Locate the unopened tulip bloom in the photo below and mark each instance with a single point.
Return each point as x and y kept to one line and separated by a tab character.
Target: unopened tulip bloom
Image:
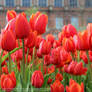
59	77
74	87
50	38
8	41
38	22
68	44
45	47
8	82
57	86
10	15
69	30
56	43
47	59
22	27
37	79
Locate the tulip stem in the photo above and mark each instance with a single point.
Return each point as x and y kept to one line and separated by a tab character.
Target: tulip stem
78	56
27	55
1	62
9	62
89	65
23	63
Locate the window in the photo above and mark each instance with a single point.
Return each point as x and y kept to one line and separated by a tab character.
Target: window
73	3
88	3
75	22
59	23
58	3
89	20
43	3
26	3
9	3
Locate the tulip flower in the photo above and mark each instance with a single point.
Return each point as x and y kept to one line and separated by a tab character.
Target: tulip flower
38	22
49	81
38	41
59	77
83	56
30	41
55	56
37	79
74	87
69	30
83	40
57	87
45	47
8	82
56	43
68	44
90	55
50	38
10	15
47	59
75	68
89	28
8	41
61	36
22	27
5	70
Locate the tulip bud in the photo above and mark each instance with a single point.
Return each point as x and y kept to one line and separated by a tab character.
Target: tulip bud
37	79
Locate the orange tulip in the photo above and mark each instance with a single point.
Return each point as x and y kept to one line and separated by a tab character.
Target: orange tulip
74	87
8	41
10	15
57	87
22	27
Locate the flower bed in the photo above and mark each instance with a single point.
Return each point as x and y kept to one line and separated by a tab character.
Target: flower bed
30	63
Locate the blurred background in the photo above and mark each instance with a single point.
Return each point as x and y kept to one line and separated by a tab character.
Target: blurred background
60	12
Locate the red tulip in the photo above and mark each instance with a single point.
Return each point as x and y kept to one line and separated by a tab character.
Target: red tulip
57	87
89	28
75	68
69	30
8	41
50	38
30	41
10	15
56	44
45	47
83	40
5	70
90	56
59	77
55	56
47	60
61	36
38	22
8	82
38	41
37	79
74	87
83	56
22	27
49	81
68	44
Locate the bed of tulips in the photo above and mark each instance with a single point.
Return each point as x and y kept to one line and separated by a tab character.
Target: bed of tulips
31	63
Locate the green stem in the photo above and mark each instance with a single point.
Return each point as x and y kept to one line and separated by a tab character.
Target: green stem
1	62
9	61
7	55
89	66
78	56
72	55
27	55
33	57
23	62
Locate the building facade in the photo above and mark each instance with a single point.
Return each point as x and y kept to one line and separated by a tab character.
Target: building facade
60	12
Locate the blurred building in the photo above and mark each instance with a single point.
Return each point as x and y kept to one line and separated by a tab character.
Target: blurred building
60	12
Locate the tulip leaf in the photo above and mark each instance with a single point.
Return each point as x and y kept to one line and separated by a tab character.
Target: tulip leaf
6	56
